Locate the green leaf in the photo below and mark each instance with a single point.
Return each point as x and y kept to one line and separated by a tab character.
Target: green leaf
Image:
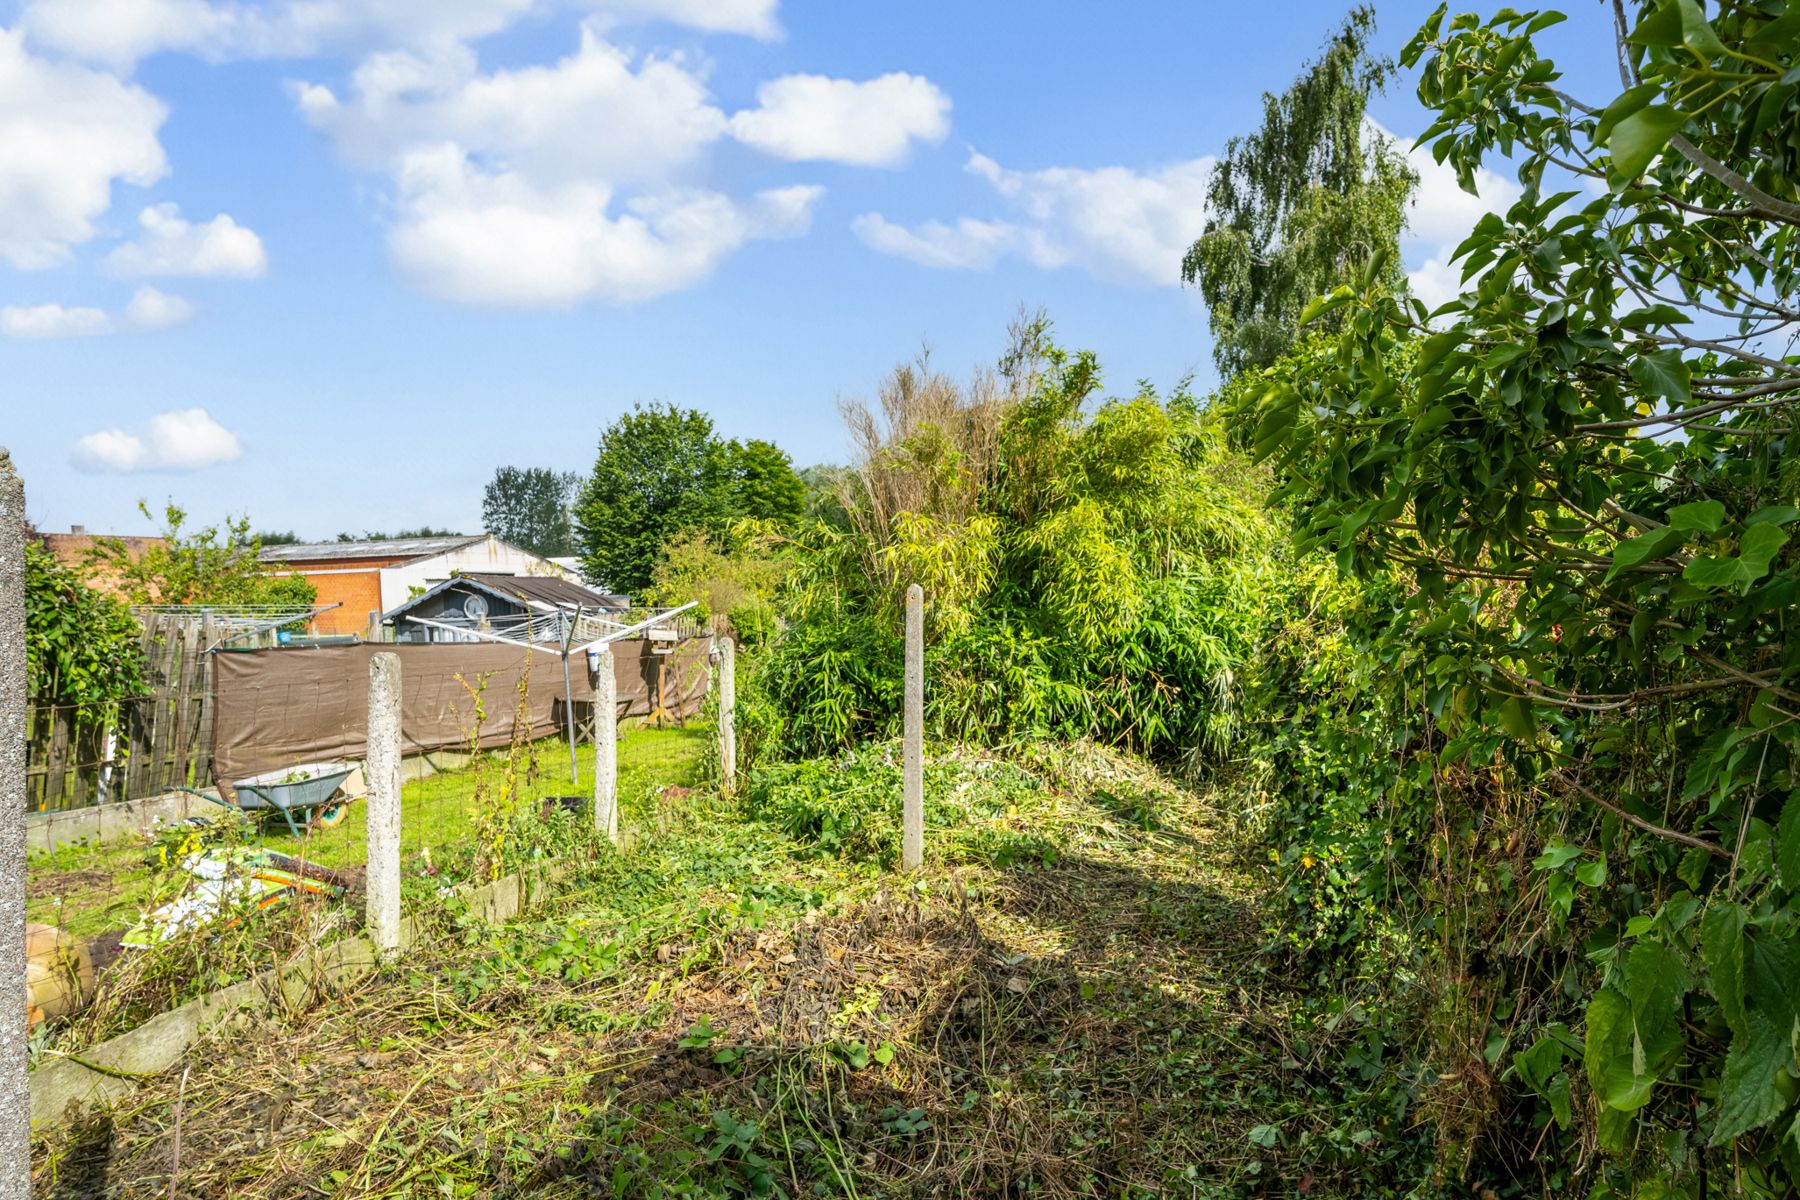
1787	844
1517	718
1628	102
1637	140
1750	1093
1661	28
1758	549
1643	549
1609	1053
1634	1036
1712	571
1774	514
1556	855
1593	874
1537	1064
1663	375
1320	305
1703	515
1696	33
1431	420
1722	946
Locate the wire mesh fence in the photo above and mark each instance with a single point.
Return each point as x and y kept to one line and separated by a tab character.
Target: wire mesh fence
136	924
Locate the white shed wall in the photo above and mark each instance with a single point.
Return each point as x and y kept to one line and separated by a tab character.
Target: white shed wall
493	555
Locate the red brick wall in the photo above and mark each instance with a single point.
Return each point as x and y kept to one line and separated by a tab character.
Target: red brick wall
358	591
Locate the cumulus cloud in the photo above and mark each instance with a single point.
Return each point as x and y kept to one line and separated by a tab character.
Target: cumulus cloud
554	184
1441	215
151	310
53	321
1115	223
872	124
593	114
480	237
148	311
118	33
968	244
66	134
218	249
187	439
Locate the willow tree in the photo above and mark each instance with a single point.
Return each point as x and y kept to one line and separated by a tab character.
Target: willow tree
1293	206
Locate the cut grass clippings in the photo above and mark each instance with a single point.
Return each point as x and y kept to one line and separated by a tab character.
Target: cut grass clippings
723	1009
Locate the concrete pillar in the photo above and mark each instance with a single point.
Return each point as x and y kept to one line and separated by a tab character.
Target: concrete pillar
374	634
727	715
381	767
606	746
15	1090
912	842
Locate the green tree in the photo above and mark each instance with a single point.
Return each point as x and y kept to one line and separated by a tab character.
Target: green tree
660	470
1292	206
376	535
81	645
767	487
1585	467
529	507
210	565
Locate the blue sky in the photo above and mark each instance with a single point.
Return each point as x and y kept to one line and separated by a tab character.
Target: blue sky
331	262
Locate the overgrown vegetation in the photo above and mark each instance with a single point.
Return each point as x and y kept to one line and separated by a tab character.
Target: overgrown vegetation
1565	763
208	565
81	645
729	1010
1094	567
1492	887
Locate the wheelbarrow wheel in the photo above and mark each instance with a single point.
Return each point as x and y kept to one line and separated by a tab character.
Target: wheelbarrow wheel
328	815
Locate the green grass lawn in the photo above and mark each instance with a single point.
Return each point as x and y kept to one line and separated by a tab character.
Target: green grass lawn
93	889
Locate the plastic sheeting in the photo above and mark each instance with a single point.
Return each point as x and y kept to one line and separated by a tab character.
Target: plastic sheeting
275	708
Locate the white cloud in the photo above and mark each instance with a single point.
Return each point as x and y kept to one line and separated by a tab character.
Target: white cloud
872	124
968	244
1117	224
548	185
53	321
66	133
148	311
187	439
480	237
592	114
753	18
120	32
151	310
1441	215
219	248
108	450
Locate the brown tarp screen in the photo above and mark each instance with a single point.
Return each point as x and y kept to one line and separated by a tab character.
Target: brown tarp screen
279	708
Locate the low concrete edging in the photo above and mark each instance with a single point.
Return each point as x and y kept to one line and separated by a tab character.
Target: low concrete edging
105	1074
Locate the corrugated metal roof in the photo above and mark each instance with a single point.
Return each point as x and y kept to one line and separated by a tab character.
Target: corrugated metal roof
420	547
546	589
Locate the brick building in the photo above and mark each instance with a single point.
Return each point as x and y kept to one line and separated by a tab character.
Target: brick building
374	575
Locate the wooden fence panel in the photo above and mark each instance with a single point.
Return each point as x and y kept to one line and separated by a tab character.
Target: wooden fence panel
163	738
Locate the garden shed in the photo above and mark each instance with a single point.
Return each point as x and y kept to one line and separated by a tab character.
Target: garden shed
533	608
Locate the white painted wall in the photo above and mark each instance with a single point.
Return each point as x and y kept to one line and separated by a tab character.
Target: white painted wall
493	555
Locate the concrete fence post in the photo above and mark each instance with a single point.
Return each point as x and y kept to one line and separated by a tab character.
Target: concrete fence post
912	843
381	765
374	634
606	746
15	1085
727	714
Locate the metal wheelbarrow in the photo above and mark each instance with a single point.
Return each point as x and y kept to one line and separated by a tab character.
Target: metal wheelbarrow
310	789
